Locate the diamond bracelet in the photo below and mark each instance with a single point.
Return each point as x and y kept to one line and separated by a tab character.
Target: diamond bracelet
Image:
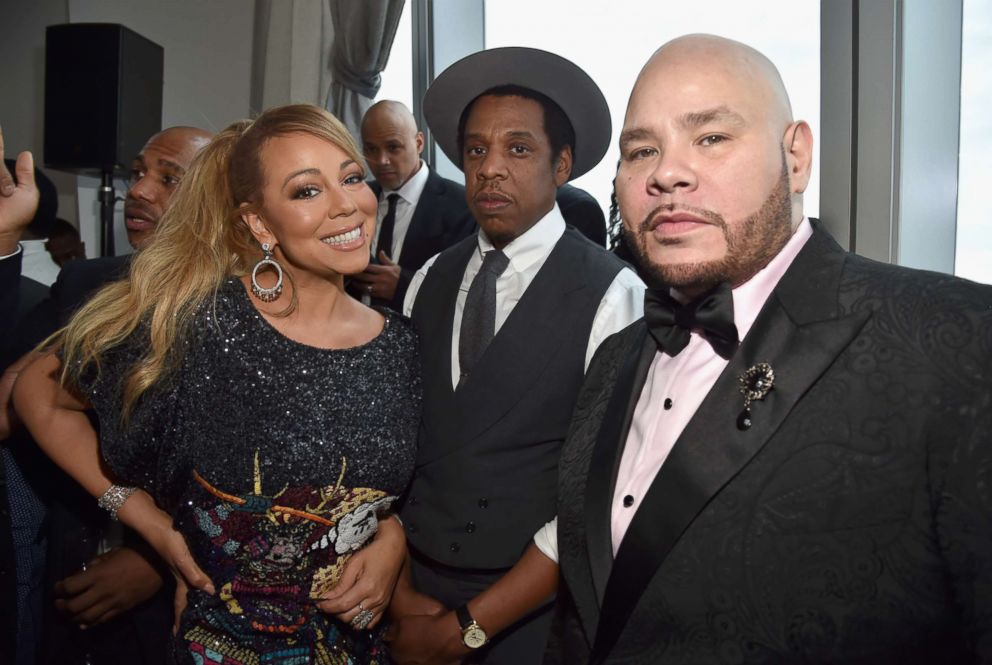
114	498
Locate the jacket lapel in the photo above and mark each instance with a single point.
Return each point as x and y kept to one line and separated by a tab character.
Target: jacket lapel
799	332
444	278
423	224
607	451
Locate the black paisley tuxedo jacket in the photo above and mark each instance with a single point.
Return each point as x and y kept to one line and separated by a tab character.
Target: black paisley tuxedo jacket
852	523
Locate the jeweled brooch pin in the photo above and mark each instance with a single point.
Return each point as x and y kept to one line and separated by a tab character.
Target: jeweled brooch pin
754	385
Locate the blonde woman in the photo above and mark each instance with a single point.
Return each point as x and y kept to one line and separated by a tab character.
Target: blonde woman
255	422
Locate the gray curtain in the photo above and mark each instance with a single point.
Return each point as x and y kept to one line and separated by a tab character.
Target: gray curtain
291	41
363	36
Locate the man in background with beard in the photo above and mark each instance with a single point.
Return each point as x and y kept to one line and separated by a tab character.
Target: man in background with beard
788	459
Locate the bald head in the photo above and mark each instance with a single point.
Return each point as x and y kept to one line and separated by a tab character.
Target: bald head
712	164
155	174
391	143
703	59
392	112
186	141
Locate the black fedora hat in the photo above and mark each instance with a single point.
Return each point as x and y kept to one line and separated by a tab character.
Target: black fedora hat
549	74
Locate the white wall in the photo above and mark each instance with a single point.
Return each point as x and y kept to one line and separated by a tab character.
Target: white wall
22	85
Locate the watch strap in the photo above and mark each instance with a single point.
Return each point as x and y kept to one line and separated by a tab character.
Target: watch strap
464	617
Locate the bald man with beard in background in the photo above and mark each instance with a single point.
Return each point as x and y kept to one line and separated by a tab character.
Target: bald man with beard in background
788	459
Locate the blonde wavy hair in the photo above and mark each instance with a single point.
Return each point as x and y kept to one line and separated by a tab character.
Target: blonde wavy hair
200	241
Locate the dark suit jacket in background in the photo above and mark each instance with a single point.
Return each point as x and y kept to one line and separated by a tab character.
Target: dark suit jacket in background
582	211
440	220
852	523
77	281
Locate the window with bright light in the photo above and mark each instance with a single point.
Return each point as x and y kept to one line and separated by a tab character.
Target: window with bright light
973	257
612	40
397	78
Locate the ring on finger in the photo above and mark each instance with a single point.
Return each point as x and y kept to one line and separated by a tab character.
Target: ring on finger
362	619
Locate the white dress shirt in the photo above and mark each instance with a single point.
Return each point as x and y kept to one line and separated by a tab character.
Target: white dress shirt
37	263
409	196
622	304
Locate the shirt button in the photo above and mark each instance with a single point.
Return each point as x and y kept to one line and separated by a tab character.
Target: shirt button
454	547
483	503
470	527
628	501
412	528
412	501
668	403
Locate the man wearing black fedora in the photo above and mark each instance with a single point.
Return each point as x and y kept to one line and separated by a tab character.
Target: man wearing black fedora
508	318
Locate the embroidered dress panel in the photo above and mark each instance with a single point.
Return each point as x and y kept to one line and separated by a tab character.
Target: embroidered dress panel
276	461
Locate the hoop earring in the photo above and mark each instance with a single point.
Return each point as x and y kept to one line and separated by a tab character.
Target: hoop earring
264	294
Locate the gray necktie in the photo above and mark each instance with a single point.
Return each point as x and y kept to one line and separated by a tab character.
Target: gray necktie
479	317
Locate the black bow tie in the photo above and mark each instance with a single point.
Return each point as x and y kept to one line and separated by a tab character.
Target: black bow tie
670	322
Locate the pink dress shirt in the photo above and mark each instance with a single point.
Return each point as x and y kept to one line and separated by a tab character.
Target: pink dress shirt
676	386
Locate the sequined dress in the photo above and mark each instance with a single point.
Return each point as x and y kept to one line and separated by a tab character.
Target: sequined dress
275	459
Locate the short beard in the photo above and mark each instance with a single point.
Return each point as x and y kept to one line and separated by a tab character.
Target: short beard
750	245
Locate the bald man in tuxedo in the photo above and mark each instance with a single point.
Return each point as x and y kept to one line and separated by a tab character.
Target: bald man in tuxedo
788	459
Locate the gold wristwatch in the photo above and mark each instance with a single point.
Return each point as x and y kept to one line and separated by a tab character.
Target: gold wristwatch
472	634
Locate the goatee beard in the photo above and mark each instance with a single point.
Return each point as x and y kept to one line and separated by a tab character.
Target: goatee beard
751	244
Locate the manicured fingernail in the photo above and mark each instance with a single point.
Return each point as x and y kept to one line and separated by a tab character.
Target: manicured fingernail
210	589
8	190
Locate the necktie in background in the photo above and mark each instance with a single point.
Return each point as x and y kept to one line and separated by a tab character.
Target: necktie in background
386	231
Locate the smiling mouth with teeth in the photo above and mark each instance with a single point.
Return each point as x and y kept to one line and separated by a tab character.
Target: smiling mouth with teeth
343	238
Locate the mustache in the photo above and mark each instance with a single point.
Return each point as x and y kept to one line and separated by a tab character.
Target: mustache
670	208
137	208
491	191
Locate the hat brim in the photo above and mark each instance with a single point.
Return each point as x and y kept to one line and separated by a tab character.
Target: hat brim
551	75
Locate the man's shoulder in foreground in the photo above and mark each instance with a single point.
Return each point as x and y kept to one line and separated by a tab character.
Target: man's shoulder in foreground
908	284
930	311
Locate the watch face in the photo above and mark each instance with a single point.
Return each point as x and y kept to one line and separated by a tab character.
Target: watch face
474	637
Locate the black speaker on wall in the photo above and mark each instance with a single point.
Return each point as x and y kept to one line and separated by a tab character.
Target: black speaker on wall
103	96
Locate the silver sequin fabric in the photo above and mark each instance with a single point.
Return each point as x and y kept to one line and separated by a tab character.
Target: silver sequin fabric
271	456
